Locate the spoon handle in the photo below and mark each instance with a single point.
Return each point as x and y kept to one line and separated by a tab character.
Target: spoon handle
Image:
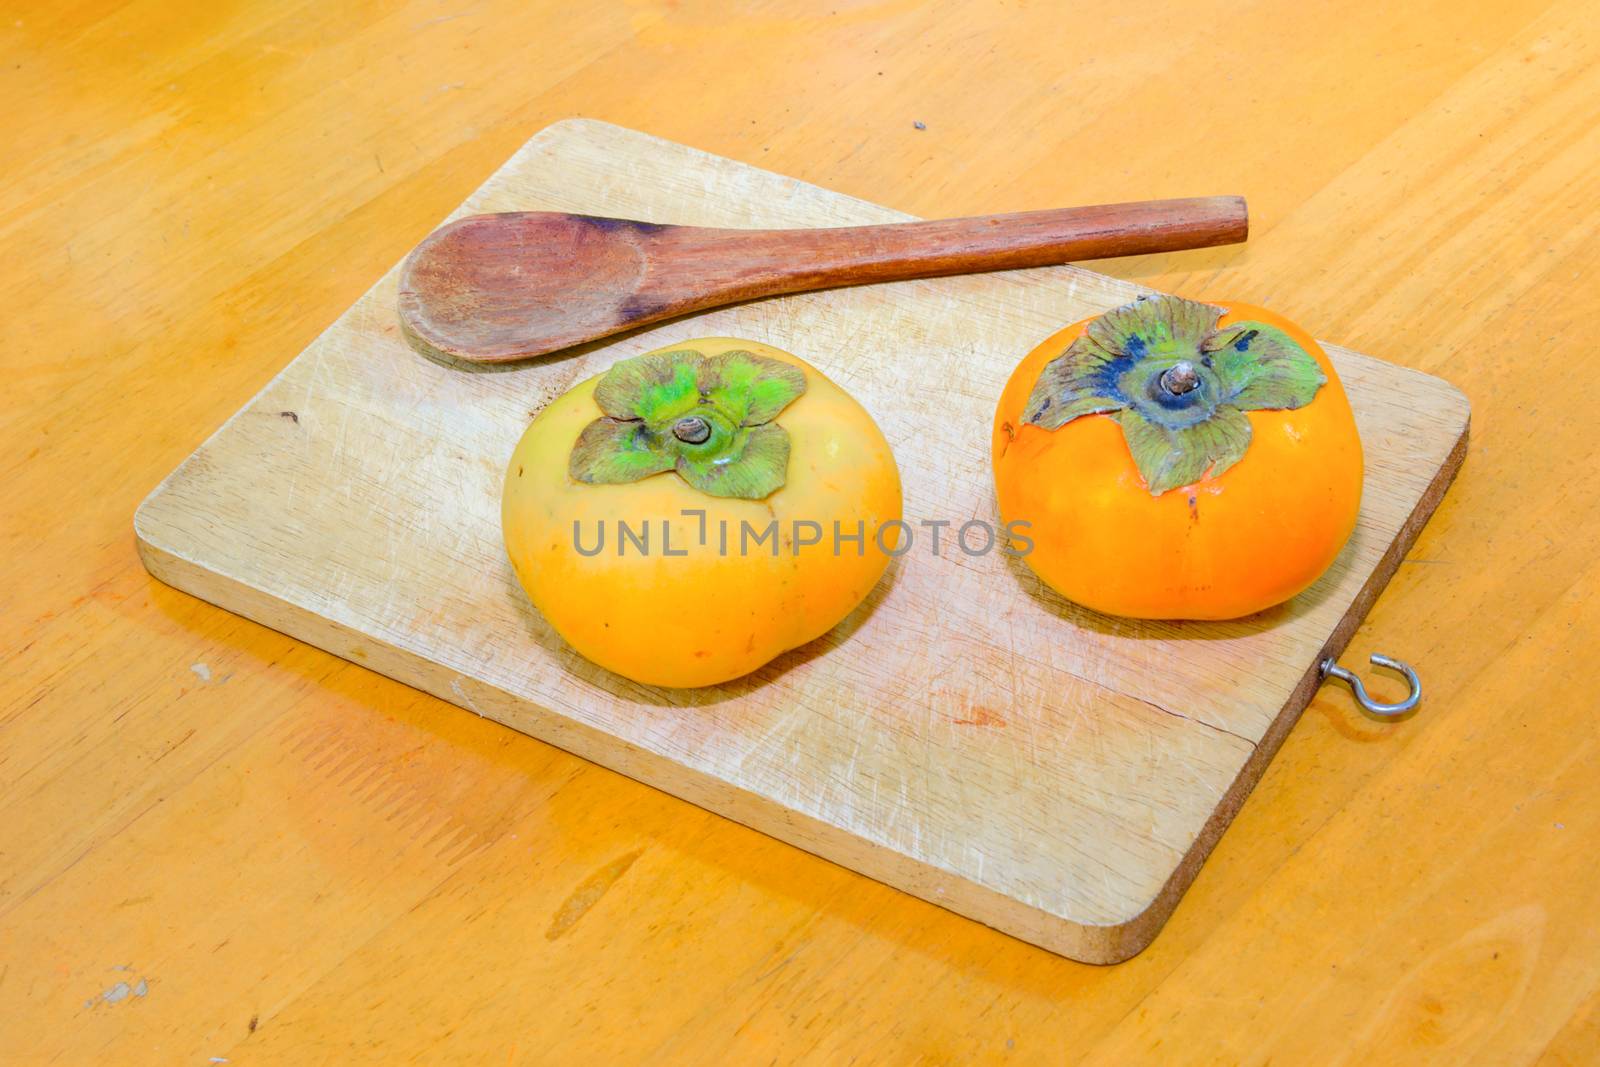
787	261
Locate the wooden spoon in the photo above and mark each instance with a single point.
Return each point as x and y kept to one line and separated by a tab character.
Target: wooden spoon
494	288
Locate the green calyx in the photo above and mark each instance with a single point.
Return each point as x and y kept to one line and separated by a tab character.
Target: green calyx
707	417
1178	385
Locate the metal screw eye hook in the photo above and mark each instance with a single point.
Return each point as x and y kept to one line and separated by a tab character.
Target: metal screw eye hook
1331	669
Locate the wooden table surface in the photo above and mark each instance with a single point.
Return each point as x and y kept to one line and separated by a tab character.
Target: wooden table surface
220	844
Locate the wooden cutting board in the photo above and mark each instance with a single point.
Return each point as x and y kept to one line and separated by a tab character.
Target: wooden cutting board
965	735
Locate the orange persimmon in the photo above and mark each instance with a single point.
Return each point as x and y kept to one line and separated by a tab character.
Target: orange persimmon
1178	460
699	509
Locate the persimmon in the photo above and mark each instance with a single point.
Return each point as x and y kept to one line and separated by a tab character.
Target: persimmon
698	510
1178	460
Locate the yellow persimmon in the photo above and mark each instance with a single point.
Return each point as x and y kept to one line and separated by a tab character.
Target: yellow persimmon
698	510
1178	460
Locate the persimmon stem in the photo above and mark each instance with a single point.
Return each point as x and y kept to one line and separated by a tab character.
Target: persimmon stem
692	430
1180	378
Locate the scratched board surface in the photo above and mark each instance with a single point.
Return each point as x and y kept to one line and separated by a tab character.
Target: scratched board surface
964	735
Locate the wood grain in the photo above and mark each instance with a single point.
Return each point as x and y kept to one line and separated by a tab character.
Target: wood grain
201	189
501	287
965	735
